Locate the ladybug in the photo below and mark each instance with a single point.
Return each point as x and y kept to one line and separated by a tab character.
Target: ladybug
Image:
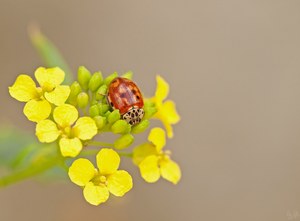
124	95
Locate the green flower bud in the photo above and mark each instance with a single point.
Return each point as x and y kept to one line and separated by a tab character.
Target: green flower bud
149	112
84	76
141	127
127	75
103	108
107	114
119	127
110	78
93	102
100	121
75	90
101	92
113	116
128	129
94	111
82	100
95	81
124	141
150	109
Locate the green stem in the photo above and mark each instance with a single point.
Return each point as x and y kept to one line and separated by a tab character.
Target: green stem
22	155
31	171
48	51
86	153
124	154
99	143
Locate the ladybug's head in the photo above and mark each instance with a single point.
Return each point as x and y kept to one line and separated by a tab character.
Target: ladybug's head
134	115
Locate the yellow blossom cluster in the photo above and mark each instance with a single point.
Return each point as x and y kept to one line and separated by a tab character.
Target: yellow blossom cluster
38	108
153	162
59	112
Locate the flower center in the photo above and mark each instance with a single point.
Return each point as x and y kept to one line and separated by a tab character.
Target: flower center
99	179
102	179
164	155
47	87
39	93
66	131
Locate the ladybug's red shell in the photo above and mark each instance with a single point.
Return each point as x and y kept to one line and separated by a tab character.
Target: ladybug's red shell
124	95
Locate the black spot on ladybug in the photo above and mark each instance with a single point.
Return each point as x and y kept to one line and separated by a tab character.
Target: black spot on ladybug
132	115
112	104
137	97
133	91
122	95
136	114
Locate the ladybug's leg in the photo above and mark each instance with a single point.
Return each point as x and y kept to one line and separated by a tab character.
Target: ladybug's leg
109	102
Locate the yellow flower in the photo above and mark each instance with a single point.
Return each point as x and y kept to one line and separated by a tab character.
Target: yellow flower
98	183
166	111
69	136
39	99
153	162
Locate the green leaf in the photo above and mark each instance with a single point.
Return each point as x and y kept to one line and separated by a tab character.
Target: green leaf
12	150
22	157
48	52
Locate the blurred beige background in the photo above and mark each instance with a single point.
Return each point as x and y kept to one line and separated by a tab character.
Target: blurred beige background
234	70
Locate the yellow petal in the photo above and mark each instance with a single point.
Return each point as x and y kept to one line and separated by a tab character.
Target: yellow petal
119	183
59	95
46	131
162	90
158	137
65	115
23	89
108	161
49	78
85	128
81	171
170	171
37	110
142	151
168	127
169	111
149	169
95	194
70	147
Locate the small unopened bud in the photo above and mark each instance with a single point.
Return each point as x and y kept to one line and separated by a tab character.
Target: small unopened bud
75	90
100	121
82	99
140	127
124	141
119	127
95	81
109	79
103	108
101	92
114	116
94	110
84	76
150	109
107	114
127	75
